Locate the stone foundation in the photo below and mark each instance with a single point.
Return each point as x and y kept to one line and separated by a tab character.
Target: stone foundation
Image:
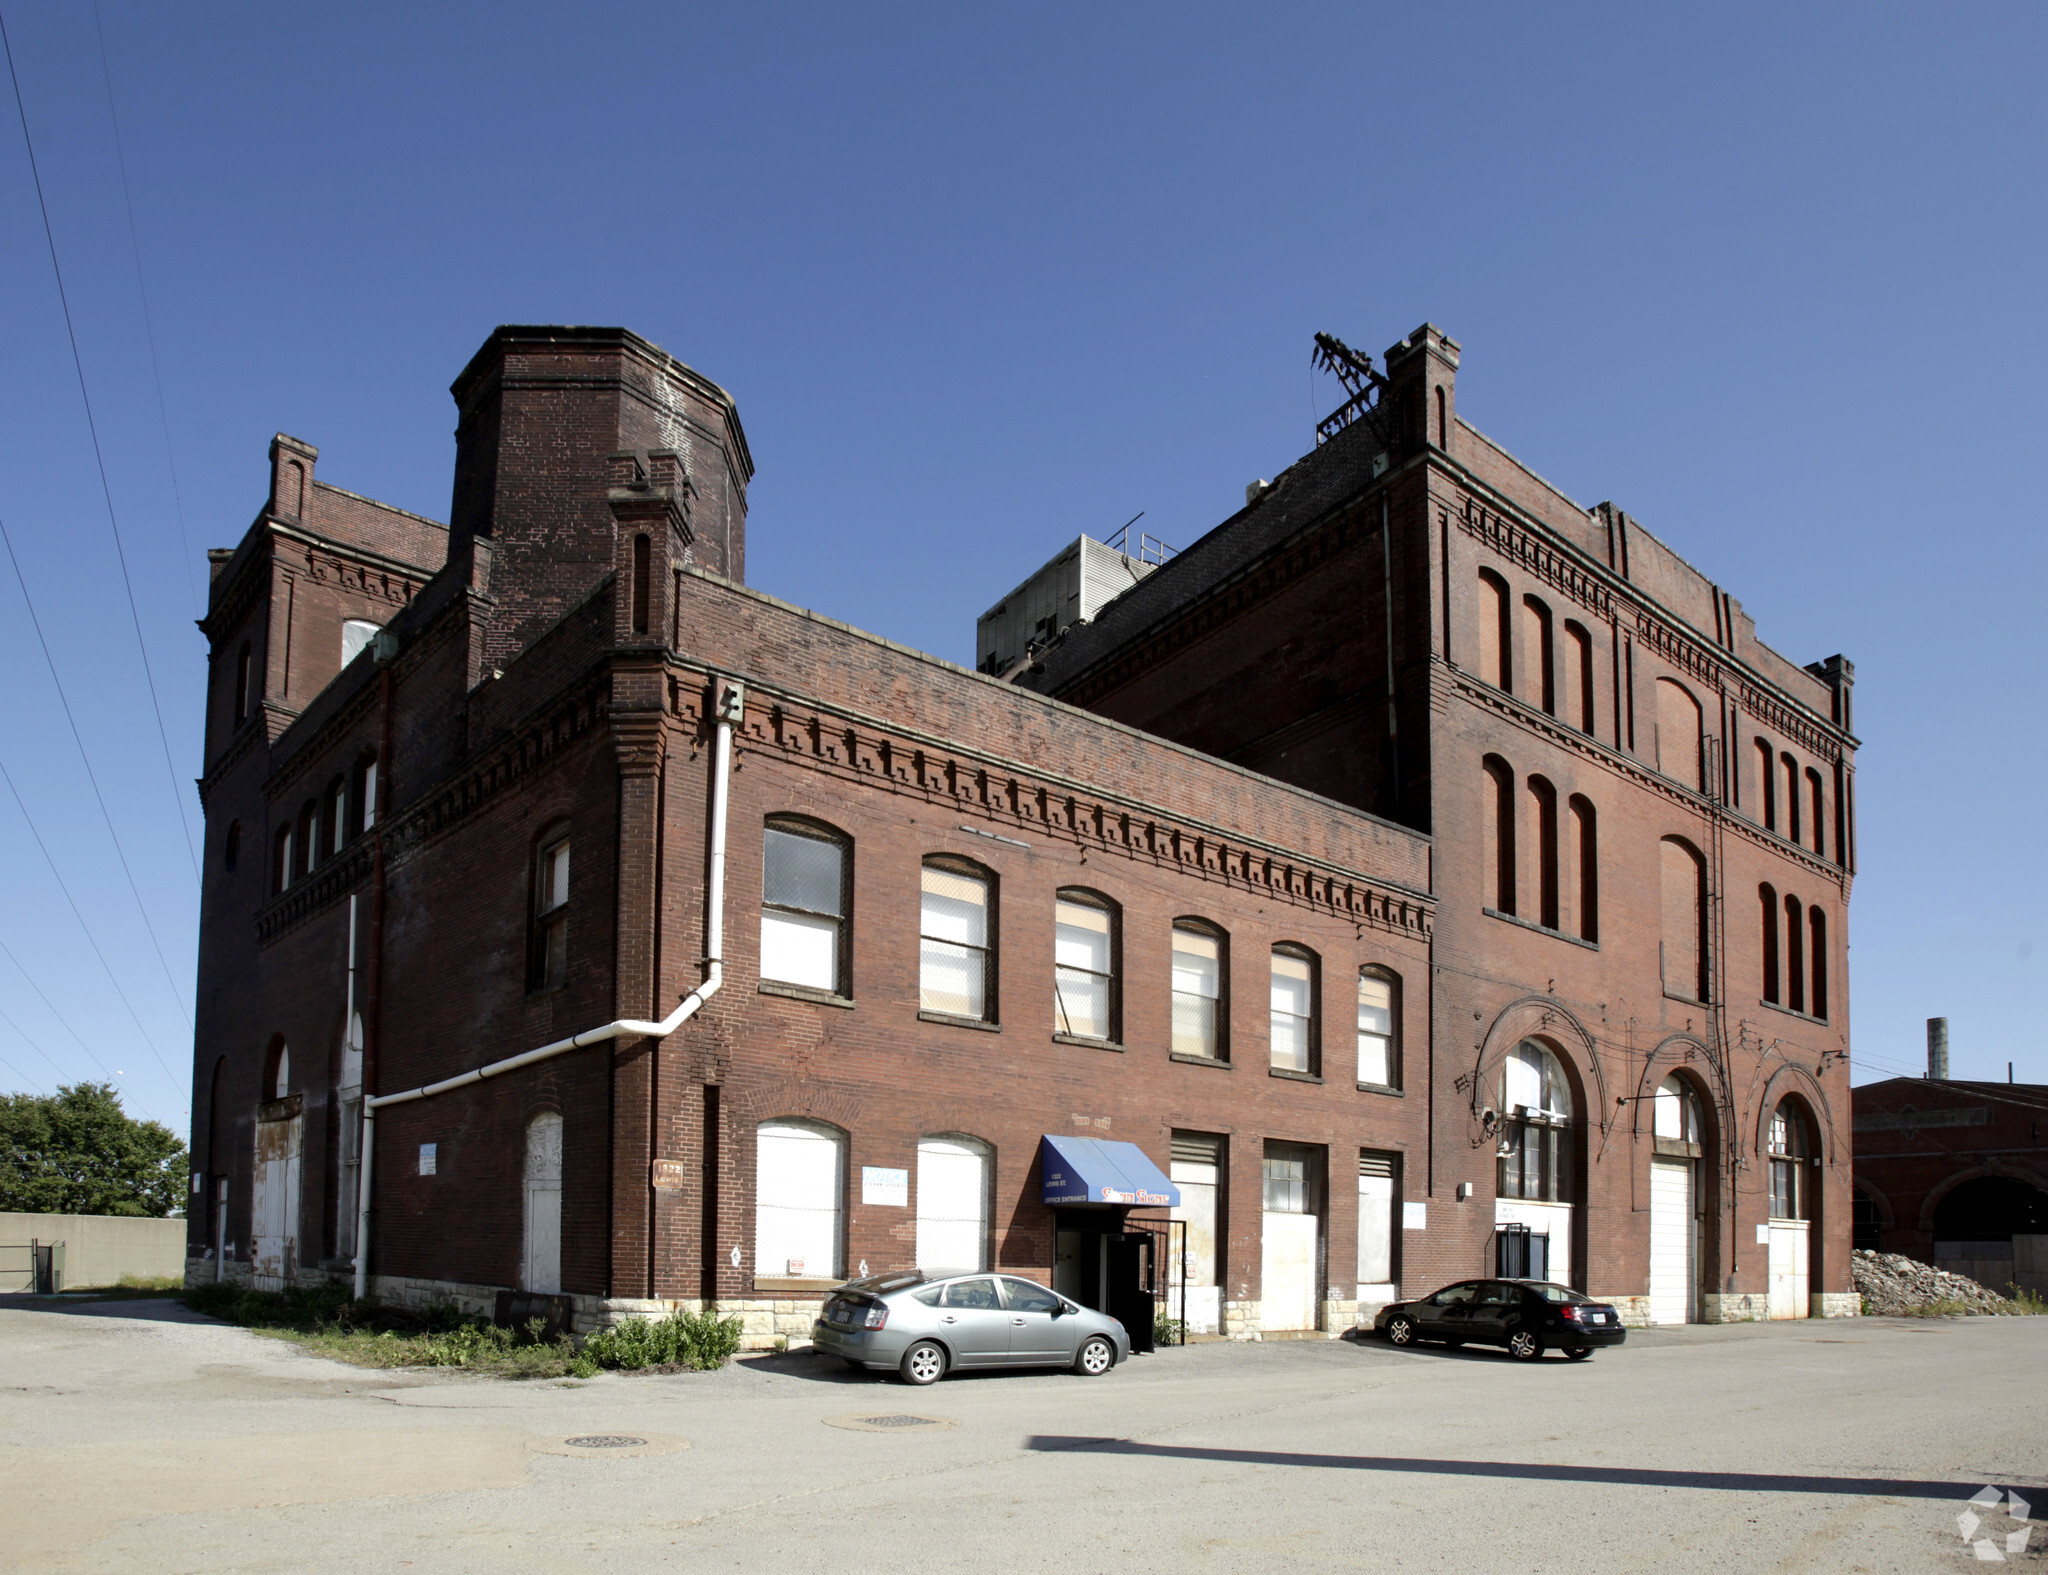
1735	1307
1634	1310
1837	1304
1241	1320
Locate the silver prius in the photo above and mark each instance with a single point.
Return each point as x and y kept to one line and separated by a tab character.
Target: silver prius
927	1325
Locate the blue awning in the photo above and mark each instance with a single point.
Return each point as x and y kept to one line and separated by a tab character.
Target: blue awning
1095	1170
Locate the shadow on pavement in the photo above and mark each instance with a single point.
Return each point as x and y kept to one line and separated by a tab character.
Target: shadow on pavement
166	1309
1618	1476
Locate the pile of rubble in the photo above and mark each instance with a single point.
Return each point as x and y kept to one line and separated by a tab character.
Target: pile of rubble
1891	1283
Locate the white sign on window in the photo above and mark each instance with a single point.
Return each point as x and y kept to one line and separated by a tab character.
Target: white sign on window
889	1188
1415	1216
427	1158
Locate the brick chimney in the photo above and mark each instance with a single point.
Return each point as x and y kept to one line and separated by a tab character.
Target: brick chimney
583	452
291	477
1423	373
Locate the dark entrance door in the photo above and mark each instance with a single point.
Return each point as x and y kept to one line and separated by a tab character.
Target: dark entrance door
1101	1265
1130	1280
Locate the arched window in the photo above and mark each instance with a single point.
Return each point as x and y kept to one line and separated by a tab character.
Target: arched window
281	872
1577	679
1379	1017
231	847
1497	821
952	1203
334	816
1543	813
1791	1147
1496	632
1536	646
308	842
1536	1118
356	636
1817	969
1199	973
1443	420
1767	900
242	677
1767	784
548	947
1816	800
1795	954
805	939
362	794
1685	911
1676	1111
1294	1014
956	953
799	1200
1586	866
277	1069
1085	997
1790	769
540	1269
1679	734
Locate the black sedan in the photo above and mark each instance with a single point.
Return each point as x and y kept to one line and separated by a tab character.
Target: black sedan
1529	1317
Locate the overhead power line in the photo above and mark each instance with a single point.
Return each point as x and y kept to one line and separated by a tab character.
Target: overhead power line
99	457
77	738
62	1022
8	777
148	324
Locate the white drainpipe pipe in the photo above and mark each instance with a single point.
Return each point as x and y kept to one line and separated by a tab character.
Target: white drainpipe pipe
729	701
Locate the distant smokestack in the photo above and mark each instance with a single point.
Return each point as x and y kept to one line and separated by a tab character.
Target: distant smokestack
1937	1049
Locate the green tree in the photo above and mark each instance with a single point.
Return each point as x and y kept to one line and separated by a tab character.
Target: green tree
77	1152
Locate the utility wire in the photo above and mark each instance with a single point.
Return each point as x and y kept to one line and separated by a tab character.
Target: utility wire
21	1077
8	778
39	1050
7	539
92	426
8	952
148	325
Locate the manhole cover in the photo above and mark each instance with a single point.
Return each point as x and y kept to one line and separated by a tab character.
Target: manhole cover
605	1441
613	1446
892	1422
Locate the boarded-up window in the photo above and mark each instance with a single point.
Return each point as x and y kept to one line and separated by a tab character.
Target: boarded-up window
1577	677
1496	632
1497	827
1817	975
1685	907
1376	1205
1537	654
541	1265
1543	816
952	1204
1678	734
798	1201
1197	1170
1767	941
1585	861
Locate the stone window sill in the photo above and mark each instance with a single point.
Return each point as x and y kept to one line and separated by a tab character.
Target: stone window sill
1199	1060
1540	929
1293	1076
786	1282
1086	1043
1689	1000
1382	1088
803	992
960	1022
1792	1011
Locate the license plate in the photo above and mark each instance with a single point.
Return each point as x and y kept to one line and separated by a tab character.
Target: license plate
841	1316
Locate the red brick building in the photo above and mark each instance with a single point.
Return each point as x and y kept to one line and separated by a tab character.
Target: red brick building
462	787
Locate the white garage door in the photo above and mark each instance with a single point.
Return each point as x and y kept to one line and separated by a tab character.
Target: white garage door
1672	1275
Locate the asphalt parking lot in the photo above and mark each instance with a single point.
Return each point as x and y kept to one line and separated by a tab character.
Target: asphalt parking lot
135	1436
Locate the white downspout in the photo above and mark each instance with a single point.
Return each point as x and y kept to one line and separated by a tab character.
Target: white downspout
730	701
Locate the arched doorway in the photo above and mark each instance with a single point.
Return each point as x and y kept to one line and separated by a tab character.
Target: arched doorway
1675	1189
540	1267
1791	1150
274	1205
1536	1192
1975	1222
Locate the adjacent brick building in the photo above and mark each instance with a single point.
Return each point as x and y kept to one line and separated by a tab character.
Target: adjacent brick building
1304	861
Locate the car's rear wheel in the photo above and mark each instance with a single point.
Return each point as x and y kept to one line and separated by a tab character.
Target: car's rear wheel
1400	1331
1580	1354
1525	1345
1096	1357
924	1363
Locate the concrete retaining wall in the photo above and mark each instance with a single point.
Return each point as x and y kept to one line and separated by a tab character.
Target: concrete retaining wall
98	1248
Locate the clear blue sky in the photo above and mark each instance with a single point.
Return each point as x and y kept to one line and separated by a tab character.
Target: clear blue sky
1768	277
